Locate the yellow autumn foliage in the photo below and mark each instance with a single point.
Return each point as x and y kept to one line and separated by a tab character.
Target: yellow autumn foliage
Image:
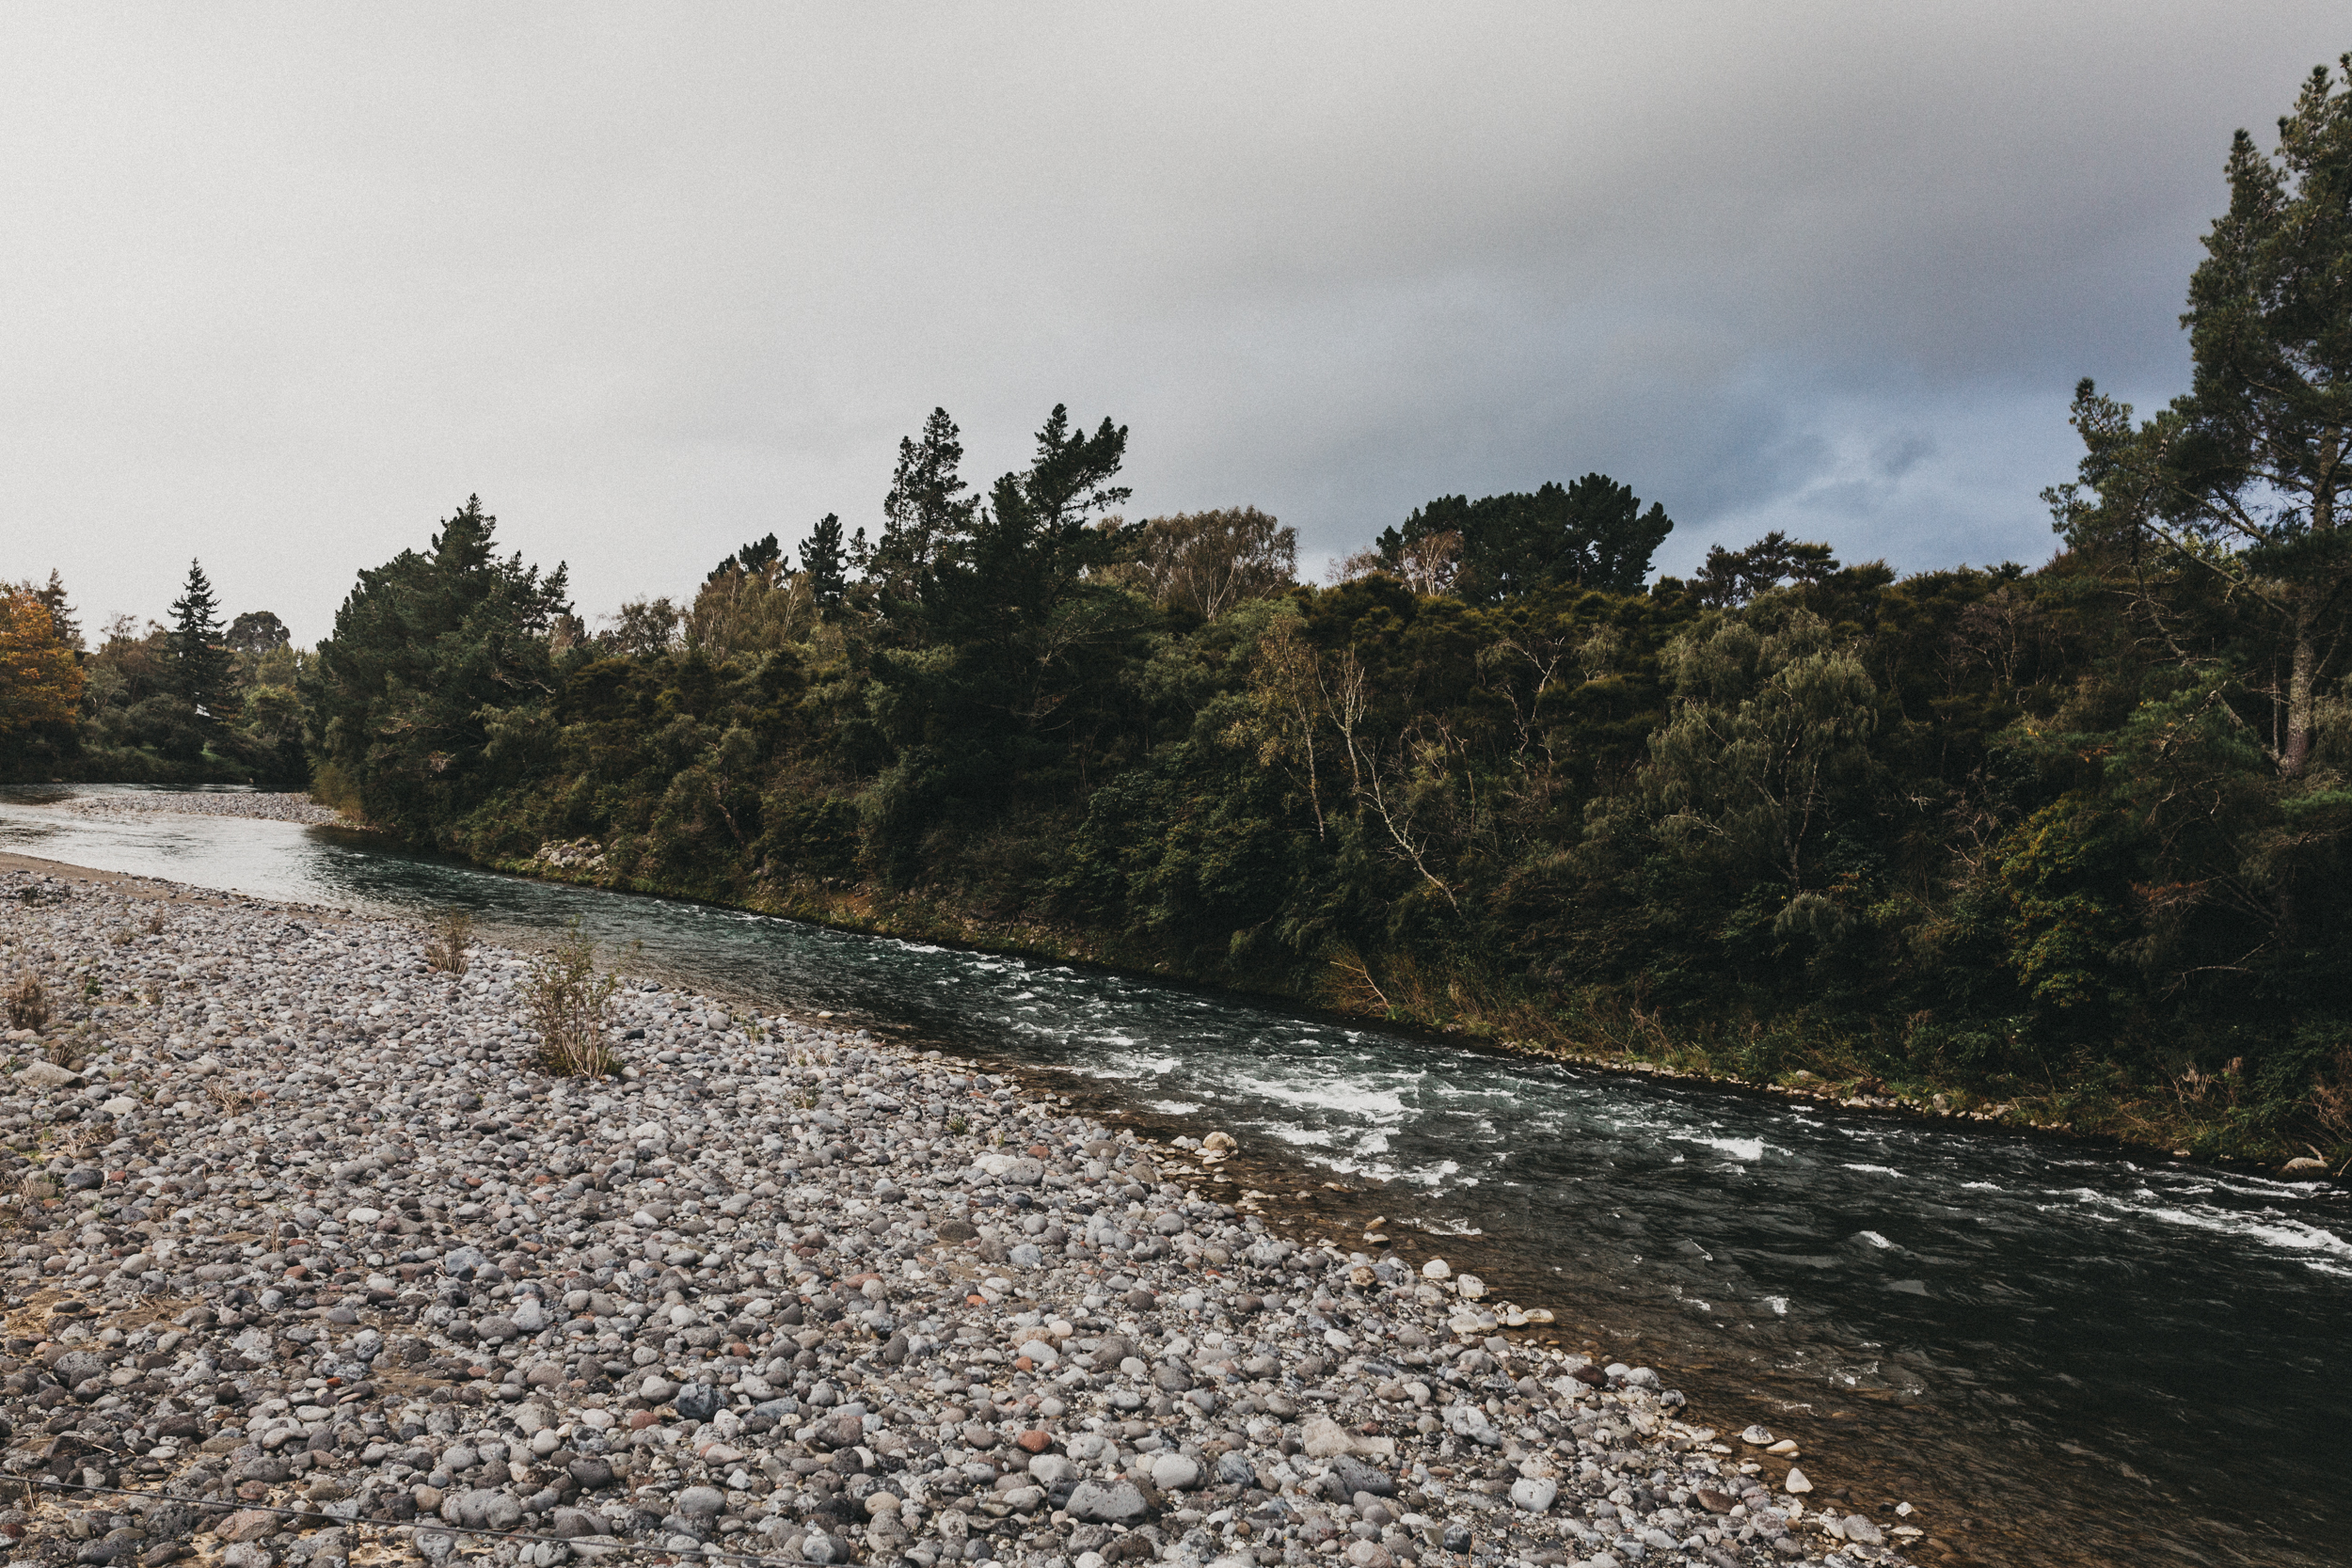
41	681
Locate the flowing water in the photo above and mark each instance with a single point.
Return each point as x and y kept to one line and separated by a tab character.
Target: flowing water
2061	1354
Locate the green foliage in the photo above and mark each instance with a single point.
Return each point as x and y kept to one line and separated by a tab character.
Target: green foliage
199	657
1592	532
2236	492
2075	835
428	651
824	562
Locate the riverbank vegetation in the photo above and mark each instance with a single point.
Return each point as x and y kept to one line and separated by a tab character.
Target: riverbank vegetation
198	702
2065	843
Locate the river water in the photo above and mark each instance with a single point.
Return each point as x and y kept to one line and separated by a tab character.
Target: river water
2058	1354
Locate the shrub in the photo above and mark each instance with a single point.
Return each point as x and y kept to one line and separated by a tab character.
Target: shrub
28	1004
445	948
570	1006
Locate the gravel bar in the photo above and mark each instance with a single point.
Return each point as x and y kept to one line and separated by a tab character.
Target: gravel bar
259	804
292	1221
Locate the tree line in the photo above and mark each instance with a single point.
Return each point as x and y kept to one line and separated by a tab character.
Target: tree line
2069	837
197	702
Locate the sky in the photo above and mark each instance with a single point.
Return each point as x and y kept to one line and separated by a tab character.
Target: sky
284	285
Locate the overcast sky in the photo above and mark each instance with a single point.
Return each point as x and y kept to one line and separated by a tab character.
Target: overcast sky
283	285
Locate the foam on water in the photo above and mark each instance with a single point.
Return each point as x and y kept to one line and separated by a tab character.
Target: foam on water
1745	1149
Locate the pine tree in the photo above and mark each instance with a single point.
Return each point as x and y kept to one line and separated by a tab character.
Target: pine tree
927	514
2246	481
821	560
199	661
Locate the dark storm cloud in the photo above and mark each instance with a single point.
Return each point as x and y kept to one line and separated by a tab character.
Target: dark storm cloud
286	284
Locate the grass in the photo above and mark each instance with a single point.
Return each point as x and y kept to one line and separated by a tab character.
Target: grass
445	948
27	1003
570	1006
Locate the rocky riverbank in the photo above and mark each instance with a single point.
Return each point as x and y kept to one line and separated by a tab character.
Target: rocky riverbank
204	802
301	1248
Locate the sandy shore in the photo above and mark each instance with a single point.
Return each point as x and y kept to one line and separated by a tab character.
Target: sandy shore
295	1222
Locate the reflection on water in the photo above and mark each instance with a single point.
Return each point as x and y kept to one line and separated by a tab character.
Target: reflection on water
2097	1358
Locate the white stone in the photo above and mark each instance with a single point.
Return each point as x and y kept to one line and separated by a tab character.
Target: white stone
1534	1495
1325	1438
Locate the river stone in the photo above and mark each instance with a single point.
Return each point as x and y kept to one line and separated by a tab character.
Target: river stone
1534	1495
590	1472
1119	1503
1323	1438
1861	1532
779	1200
1465	1419
47	1075
1175	1472
571	1523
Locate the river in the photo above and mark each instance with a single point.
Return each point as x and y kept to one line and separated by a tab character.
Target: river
2062	1354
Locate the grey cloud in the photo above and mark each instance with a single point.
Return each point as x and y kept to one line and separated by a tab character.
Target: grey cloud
286	284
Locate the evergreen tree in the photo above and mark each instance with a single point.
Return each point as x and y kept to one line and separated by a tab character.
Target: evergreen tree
822	560
2246	481
1593	533
429	653
752	559
926	515
200	659
52	596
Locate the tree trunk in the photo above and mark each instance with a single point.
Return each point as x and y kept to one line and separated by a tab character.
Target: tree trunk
2302	682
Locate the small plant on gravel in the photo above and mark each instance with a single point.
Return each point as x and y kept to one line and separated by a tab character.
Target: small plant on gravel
571	1006
72	1052
28	1004
154	924
445	949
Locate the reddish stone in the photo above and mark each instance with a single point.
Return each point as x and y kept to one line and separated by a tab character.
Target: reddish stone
1039	1151
1035	1441
1023	1364
640	1419
977	1299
